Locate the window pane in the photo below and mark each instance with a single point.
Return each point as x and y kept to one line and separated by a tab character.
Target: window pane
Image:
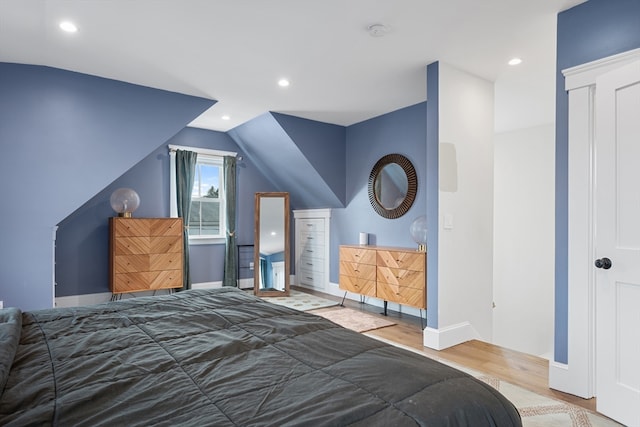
204	218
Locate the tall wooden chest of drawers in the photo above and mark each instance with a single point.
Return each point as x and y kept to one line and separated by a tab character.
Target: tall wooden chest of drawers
390	274
145	254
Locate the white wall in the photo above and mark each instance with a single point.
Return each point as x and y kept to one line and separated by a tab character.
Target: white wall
465	250
524	239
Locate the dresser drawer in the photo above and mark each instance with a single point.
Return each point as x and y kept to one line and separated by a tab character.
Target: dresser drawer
401	294
131	263
360	255
358	270
358	285
131	282
398	259
131	227
168	261
401	277
312	240
167	279
310	278
311	263
161	245
165	227
132	245
312	251
315	225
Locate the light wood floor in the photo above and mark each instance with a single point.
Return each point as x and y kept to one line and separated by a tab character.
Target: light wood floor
526	371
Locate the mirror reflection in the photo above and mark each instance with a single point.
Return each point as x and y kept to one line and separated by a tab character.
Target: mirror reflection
271	258
391	186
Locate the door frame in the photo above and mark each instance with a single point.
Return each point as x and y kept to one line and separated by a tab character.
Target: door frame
578	375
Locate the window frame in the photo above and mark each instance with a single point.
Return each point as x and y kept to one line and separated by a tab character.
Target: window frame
212	157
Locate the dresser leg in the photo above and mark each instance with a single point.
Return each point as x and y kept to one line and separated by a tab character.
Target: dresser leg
385	308
345	295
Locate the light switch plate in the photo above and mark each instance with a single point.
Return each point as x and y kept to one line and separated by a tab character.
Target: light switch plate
448	222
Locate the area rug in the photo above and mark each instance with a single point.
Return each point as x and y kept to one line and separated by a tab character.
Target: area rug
355	320
301	301
536	410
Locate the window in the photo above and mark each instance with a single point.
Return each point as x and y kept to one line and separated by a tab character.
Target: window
207	217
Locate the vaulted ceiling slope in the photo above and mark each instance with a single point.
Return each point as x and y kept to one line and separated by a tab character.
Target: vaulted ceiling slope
303	157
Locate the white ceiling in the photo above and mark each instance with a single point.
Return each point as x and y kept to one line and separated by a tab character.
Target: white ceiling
234	51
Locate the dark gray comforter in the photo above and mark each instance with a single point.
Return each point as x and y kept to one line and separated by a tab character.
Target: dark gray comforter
222	357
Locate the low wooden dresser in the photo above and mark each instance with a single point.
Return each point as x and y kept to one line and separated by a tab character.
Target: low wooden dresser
390	274
145	254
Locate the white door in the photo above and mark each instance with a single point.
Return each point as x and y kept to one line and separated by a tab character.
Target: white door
617	239
278	275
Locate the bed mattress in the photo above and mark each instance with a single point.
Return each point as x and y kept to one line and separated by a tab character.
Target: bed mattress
222	357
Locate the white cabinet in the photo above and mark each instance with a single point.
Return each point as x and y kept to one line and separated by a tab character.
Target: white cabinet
312	248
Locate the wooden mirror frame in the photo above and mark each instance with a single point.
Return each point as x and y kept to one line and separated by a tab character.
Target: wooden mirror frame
412	187
256	256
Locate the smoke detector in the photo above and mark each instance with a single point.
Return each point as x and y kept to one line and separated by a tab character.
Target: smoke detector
377	30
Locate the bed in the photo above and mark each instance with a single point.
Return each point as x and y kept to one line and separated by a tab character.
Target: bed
222	357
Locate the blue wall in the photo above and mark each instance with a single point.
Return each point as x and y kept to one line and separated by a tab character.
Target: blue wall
72	139
303	157
404	132
65	136
83	237
590	31
433	191
82	246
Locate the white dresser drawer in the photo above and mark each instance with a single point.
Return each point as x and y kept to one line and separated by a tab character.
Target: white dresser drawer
311	263
311	237
312	225
314	279
312	251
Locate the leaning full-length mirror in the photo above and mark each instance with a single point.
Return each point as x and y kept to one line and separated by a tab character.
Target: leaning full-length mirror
271	255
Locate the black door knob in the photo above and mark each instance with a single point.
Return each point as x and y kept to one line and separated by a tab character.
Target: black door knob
603	263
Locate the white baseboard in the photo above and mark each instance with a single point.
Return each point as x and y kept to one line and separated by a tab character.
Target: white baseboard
245	283
78	300
562	379
91	299
206	285
439	339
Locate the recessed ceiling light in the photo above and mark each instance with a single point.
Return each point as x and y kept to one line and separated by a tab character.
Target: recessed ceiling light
226	117
283	83
68	26
515	61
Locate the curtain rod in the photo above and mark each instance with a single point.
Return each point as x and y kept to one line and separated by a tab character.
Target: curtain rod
174	148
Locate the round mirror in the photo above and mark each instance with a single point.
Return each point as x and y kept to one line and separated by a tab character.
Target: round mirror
393	185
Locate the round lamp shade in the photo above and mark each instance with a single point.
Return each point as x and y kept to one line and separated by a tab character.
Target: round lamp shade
418	232
124	201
